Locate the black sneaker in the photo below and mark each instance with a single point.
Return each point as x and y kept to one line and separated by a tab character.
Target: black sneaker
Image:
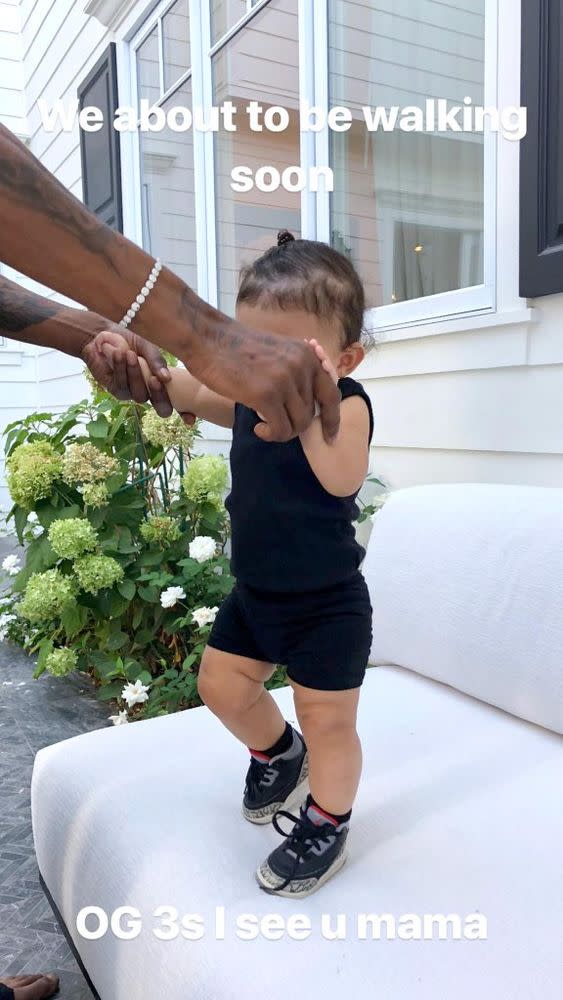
311	854
273	782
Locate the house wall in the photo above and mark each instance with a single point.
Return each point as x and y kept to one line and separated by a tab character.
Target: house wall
454	400
17	362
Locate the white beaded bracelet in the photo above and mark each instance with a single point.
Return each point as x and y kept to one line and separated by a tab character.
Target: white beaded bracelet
143	294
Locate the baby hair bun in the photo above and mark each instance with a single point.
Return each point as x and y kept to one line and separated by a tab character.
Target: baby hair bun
284	236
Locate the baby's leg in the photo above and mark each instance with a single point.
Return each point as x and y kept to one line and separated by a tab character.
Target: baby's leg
233	688
328	723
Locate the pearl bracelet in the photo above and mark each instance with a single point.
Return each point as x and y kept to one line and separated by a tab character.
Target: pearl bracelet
143	294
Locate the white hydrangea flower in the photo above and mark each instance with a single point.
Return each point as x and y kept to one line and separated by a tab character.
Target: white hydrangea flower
378	502
11	565
204	616
170	597
135	694
120	719
5	620
202	548
34	526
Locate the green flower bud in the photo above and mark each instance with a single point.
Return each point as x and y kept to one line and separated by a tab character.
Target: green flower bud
72	537
84	463
31	471
205	479
95	573
61	661
47	596
161	531
170	432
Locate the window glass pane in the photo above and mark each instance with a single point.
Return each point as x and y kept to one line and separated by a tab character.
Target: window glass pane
176	42
407	206
261	63
148	68
225	13
167	188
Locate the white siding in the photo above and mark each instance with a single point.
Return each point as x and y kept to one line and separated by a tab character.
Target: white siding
12	104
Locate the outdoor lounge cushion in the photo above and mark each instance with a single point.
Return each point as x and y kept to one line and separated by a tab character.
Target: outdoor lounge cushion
467	586
459	811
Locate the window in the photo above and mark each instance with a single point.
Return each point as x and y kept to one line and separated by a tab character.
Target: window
409	207
259	63
226	13
167	157
415	211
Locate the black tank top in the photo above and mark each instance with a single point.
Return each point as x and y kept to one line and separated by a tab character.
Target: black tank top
287	532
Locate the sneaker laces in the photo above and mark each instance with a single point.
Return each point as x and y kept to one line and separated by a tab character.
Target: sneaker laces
259	773
302	839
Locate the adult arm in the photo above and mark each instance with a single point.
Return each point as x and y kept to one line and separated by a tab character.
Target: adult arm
49	235
33	319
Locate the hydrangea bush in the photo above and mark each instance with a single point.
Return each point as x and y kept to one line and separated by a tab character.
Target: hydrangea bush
124	565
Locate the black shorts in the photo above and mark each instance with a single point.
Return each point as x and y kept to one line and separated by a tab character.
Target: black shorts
323	637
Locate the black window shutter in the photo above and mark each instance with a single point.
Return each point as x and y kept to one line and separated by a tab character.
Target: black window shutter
541	151
101	162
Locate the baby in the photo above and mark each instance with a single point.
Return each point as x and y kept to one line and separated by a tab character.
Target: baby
299	597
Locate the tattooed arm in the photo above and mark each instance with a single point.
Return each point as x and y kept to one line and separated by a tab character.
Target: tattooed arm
33	319
49	235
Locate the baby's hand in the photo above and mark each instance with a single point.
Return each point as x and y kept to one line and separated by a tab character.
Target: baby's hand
326	364
115	349
323	358
108	342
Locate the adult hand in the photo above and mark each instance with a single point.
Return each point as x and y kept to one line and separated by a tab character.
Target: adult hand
38	987
124	379
278	377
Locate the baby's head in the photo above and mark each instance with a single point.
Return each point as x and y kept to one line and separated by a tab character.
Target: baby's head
304	289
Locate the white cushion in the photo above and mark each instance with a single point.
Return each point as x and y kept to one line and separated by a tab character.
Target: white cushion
467	587
459	811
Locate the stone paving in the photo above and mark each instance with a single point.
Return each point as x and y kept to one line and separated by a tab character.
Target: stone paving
33	714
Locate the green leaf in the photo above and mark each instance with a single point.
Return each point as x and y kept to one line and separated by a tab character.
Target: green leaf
190	568
40	556
98	428
150	594
74	619
111	690
117	640
150	558
144	636
48	511
189	661
112	605
44	650
133	671
138	616
127	589
20	521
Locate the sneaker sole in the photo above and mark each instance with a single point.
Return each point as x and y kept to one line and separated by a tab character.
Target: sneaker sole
263	873
262	816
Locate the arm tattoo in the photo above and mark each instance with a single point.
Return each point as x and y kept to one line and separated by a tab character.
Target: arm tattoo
23	178
20	309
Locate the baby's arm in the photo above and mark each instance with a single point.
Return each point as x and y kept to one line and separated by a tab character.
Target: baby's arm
342	466
187	395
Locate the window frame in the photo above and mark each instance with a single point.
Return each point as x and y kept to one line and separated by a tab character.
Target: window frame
475	300
386	321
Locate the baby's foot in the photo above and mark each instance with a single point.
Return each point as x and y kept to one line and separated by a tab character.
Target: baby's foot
311	854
